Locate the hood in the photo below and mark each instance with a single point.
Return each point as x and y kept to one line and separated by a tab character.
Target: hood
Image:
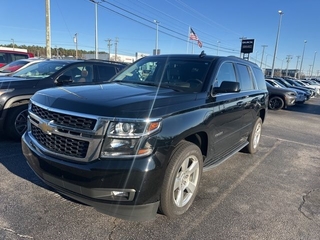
15	82
116	100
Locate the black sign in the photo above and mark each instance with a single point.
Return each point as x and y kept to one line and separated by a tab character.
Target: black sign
247	45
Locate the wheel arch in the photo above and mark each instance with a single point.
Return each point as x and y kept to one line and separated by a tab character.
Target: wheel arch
17	101
201	140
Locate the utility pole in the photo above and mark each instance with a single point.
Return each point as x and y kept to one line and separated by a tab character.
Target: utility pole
12	43
48	31
289	57
295	75
75	39
109	45
314	59
116	48
263	47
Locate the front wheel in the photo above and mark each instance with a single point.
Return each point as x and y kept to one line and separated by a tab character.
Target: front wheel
276	103
182	180
16	122
254	137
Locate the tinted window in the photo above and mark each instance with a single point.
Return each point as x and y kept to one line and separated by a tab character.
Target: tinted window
186	75
80	73
106	72
17	56
226	73
246	82
258	75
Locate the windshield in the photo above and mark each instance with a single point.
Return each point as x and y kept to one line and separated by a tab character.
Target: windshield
40	69
186	75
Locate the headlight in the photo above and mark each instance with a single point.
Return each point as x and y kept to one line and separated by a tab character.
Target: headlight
291	93
2	91
129	138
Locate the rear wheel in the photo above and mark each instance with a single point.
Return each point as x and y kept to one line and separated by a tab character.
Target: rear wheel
276	103
16	122
182	179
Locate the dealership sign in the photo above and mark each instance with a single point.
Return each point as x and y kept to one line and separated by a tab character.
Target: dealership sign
247	45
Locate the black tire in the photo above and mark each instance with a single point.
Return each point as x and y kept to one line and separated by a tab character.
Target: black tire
16	122
182	180
276	103
254	137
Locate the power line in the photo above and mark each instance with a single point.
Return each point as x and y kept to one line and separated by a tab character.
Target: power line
207	44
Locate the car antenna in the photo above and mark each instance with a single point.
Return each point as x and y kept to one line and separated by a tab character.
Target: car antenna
202	54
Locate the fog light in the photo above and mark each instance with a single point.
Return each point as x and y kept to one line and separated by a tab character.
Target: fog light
120	194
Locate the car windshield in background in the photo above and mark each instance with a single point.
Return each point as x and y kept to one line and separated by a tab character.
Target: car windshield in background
12	66
184	75
40	70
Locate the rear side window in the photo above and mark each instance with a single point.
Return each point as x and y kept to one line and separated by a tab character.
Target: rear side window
246	82
258	75
106	72
17	56
226	73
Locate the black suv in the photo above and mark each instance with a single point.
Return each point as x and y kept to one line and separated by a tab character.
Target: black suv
16	90
139	143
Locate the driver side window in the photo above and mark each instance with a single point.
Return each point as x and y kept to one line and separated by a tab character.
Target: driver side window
226	73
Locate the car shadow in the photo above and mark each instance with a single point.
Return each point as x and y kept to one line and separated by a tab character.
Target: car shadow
311	107
12	158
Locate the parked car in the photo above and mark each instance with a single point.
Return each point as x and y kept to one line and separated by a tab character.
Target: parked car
17	89
296	86
8	56
140	142
17	65
296	83
280	98
301	96
313	85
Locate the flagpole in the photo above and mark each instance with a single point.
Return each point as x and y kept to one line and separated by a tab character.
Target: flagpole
188	40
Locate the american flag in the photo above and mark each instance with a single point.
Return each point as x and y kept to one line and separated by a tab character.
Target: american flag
193	36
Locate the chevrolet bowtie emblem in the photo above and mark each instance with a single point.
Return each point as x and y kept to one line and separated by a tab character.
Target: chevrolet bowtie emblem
46	128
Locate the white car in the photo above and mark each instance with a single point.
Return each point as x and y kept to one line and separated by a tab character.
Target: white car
310	83
17	65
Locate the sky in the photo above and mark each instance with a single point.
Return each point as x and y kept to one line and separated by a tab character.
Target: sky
130	25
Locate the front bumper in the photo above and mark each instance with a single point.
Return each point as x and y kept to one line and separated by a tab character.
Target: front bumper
98	183
290	100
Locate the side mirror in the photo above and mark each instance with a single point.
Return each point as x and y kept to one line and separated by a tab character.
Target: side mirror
227	87
64	79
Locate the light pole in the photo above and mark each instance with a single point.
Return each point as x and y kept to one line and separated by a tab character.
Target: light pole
314	58
12	43
157	29
304	47
218	48
276	46
96	28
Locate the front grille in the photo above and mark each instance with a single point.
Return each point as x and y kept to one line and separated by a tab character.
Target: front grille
60	144
64	119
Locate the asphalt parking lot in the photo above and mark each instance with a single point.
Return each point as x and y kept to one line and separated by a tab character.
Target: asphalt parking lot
274	194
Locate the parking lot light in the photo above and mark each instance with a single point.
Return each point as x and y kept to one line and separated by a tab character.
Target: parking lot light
276	46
